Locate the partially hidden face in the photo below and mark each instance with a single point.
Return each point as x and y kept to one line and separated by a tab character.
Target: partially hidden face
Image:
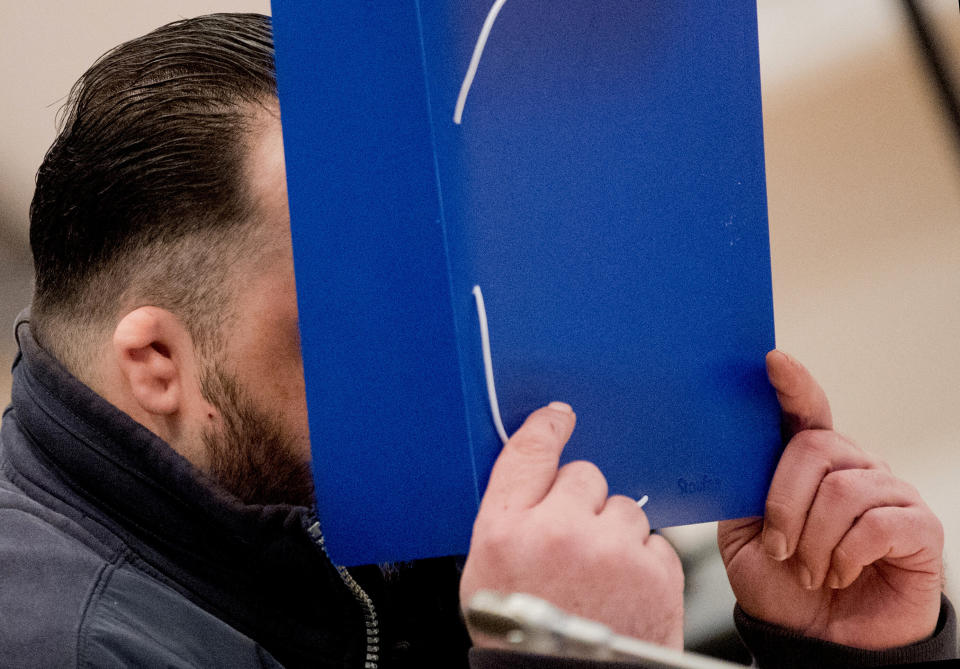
260	449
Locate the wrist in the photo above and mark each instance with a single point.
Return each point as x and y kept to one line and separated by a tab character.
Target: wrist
773	646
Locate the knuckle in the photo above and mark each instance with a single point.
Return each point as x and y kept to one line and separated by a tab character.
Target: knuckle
500	539
550	423
623	502
845	440
814	444
778	508
839	487
583	479
494	538
876	463
937	532
626	518
585	472
536	442
876	523
909	489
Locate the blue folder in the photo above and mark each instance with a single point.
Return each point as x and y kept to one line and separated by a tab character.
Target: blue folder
604	188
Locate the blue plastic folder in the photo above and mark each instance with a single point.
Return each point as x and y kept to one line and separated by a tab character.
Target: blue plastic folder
604	188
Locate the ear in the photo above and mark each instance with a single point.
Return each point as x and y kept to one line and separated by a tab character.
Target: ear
155	356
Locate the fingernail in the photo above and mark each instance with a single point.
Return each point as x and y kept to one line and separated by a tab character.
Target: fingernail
775	543
561	406
806	578
833	581
786	357
779	354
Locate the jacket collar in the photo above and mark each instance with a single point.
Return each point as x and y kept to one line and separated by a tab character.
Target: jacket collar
253	566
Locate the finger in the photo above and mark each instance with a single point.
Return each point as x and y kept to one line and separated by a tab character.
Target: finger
910	538
527	466
808	457
625	512
579	485
842	498
802	401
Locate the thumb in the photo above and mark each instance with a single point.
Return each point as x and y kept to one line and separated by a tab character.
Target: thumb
527	466
802	401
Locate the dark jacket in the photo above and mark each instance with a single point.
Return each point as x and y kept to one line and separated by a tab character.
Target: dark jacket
115	551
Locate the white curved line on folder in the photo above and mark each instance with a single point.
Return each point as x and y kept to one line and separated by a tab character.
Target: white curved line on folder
475	59
488	373
488	364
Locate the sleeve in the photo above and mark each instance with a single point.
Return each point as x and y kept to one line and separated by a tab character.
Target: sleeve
774	647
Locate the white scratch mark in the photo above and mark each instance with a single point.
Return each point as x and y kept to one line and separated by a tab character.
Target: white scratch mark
475	59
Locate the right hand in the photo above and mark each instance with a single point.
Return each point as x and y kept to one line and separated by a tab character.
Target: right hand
556	535
845	552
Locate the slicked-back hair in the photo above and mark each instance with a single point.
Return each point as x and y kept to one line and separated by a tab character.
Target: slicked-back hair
143	197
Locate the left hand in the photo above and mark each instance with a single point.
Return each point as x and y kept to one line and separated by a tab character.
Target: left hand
845	552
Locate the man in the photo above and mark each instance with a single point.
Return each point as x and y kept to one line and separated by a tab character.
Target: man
155	495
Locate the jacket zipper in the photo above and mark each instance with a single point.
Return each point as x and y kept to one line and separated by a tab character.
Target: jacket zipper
370	614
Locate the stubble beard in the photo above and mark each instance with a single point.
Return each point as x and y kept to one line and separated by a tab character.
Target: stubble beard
249	453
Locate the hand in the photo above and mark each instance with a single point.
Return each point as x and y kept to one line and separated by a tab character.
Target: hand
845	552
556	535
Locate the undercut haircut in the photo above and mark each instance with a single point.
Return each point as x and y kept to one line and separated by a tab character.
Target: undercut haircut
143	199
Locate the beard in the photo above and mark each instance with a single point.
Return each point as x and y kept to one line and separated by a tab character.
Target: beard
250	454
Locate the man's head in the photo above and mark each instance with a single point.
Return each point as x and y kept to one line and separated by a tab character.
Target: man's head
161	245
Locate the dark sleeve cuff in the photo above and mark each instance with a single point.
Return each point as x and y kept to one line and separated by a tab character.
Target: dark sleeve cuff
775	647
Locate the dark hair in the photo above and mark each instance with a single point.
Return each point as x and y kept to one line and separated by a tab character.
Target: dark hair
143	190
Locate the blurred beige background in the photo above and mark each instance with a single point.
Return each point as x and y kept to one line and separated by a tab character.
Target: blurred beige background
864	201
